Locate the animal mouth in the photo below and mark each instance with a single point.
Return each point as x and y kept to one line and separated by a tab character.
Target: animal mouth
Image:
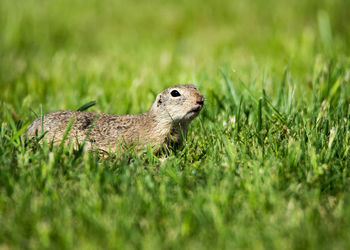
196	109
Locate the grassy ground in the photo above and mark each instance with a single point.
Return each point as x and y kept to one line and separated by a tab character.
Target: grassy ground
266	165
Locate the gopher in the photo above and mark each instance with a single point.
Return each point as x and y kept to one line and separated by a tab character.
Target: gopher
164	125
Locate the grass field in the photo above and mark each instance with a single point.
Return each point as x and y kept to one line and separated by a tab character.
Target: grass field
265	166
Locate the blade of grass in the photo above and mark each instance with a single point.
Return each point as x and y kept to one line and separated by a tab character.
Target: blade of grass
86	106
230	87
19	132
65	135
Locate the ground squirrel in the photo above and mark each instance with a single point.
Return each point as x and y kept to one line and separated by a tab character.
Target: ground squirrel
164	124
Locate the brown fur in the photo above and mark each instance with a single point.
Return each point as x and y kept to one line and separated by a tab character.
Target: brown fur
163	124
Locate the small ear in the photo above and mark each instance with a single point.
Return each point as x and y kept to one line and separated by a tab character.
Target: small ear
160	101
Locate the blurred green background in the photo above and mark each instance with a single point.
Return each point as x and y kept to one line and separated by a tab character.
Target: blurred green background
62	53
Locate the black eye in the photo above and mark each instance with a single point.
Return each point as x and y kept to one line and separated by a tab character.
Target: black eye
175	93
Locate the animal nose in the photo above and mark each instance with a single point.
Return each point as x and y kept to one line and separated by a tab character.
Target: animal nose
200	100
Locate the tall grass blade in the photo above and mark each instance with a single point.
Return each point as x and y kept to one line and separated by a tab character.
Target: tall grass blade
325	30
86	106
230	87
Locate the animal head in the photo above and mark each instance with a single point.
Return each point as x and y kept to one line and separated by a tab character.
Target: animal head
179	103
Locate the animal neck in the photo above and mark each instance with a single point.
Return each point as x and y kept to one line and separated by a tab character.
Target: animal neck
164	127
178	132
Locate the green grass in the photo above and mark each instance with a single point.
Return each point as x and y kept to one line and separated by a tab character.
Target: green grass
266	165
